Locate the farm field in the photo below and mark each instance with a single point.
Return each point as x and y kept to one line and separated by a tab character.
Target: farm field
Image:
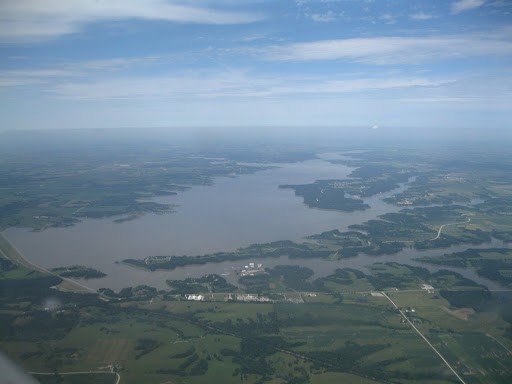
275	322
347	329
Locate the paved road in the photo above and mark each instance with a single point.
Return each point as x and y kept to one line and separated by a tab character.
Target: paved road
445	225
424	338
500	343
22	260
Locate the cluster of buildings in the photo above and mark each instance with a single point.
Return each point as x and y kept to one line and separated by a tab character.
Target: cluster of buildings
195	297
428	288
253	298
252	269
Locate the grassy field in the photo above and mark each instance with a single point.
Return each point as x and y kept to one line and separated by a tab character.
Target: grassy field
345	329
360	338
471	341
100	378
340	328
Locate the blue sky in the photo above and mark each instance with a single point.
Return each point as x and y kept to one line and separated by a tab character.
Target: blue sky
245	63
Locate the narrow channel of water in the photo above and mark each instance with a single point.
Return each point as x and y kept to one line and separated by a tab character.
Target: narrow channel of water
229	269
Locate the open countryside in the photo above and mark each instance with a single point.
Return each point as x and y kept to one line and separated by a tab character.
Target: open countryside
356	298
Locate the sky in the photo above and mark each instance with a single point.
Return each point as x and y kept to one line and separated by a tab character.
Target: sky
250	63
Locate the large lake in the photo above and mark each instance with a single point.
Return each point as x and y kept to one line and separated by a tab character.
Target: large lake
232	213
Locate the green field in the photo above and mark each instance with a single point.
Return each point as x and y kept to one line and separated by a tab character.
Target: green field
280	325
346	330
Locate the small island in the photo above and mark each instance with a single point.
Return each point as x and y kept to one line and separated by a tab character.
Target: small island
327	194
79	272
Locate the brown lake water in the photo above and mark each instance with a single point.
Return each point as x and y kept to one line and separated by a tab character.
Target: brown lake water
233	212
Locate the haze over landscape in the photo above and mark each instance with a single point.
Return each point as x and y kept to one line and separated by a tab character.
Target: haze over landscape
309	191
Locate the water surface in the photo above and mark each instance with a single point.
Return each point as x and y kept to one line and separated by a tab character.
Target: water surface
233	212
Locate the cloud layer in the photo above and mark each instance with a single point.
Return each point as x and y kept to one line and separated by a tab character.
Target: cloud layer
230	84
161	62
39	20
466	5
394	50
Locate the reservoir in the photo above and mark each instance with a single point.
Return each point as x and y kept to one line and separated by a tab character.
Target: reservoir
233	212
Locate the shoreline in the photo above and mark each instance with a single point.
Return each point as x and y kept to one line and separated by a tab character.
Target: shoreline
10	252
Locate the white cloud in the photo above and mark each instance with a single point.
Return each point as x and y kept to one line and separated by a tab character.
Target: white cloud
421	16
466	5
440	99
387	17
89	68
230	84
16	78
323	17
39	20
393	50
183	86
